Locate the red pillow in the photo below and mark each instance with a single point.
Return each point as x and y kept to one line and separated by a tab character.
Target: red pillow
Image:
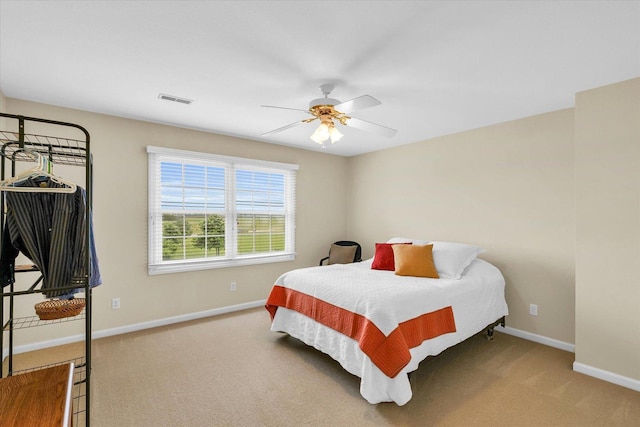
383	258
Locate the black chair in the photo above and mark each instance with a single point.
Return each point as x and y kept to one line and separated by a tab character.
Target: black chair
342	252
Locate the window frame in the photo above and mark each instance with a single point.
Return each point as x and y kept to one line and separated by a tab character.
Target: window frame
157	155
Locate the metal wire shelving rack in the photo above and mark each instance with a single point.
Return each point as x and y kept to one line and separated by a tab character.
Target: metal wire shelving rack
16	146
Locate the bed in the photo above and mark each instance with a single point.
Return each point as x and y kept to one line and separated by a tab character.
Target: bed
379	324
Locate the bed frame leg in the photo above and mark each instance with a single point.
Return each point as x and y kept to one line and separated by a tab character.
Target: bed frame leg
490	328
490	334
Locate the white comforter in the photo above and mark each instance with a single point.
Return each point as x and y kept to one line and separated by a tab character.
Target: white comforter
477	300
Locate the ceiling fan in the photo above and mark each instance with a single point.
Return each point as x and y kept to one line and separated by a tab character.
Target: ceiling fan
327	109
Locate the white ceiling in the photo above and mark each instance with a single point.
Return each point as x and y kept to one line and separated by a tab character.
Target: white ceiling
437	67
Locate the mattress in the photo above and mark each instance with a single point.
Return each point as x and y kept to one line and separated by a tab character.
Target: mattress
386	300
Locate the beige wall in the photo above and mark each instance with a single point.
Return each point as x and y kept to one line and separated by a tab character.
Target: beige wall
607	147
3	101
508	188
3	109
120	220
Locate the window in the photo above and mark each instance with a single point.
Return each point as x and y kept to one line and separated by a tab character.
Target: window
210	211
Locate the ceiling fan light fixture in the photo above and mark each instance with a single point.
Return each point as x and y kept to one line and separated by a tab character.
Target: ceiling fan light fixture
329	110
334	134
321	134
327	130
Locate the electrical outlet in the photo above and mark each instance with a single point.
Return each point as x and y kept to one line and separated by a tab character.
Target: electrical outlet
115	303
233	286
533	309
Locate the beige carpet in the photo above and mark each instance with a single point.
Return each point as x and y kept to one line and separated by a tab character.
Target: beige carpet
231	370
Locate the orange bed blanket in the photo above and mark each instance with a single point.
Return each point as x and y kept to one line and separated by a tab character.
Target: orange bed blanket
389	353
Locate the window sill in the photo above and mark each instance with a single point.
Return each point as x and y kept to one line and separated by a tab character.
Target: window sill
183	266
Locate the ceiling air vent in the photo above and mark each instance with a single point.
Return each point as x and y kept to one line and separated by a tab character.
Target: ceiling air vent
175	99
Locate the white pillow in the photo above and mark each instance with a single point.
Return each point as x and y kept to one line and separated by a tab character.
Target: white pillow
452	258
399	240
405	240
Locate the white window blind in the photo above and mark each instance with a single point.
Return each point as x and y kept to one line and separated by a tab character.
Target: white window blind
210	211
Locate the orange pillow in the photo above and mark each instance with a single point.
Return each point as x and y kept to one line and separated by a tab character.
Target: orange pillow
414	260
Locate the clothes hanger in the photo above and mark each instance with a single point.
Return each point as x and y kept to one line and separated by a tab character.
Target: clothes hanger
43	170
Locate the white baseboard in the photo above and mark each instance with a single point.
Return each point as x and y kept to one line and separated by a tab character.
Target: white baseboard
133	328
42	344
177	319
578	367
537	338
607	376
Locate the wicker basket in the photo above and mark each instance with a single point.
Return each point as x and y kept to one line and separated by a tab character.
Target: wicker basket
59	308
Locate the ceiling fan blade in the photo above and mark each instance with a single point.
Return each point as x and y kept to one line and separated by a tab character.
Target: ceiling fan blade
371	127
289	126
359	103
286	108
